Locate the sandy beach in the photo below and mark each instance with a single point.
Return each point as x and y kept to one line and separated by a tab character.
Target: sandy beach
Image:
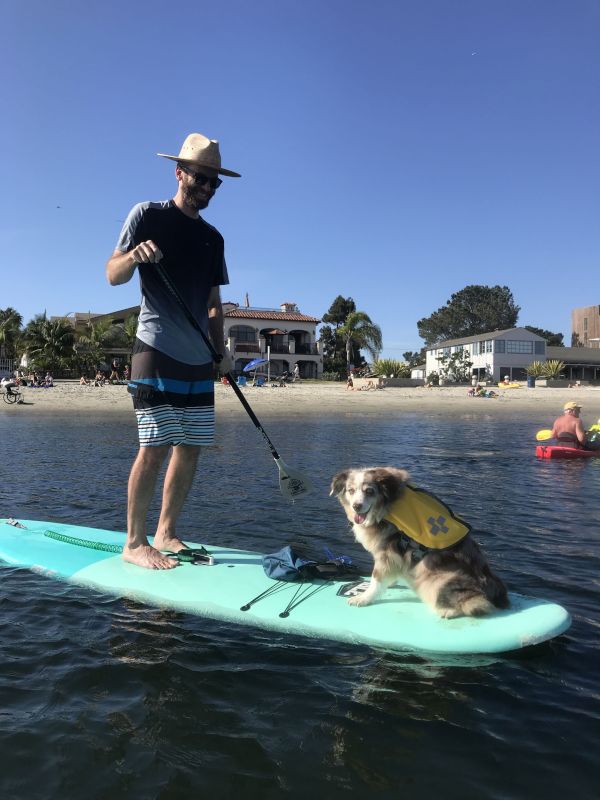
306	399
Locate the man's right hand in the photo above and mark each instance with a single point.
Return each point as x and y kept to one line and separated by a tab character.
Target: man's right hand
146	253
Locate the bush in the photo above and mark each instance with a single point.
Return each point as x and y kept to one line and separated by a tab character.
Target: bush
535	369
553	368
391	367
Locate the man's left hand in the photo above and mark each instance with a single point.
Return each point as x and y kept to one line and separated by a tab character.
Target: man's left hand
226	365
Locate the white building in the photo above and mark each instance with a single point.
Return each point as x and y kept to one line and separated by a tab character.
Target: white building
493	354
286	336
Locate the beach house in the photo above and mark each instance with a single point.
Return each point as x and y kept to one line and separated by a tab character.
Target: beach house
493	355
509	352
285	336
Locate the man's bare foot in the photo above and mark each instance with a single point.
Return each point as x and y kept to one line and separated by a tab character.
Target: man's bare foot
146	556
166	541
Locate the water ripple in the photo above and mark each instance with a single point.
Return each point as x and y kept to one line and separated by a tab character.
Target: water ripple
107	698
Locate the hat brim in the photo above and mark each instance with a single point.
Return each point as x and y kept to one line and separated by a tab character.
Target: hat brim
229	173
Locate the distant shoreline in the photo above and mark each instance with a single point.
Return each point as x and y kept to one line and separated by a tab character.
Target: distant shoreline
321	399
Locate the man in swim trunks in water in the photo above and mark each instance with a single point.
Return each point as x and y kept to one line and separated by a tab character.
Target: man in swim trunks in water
568	429
172	369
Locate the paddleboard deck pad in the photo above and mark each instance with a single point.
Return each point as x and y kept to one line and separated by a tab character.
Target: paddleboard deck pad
318	609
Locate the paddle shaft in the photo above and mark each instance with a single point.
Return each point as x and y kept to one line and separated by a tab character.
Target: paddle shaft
217	357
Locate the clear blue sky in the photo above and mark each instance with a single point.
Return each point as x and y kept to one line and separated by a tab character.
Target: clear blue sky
391	151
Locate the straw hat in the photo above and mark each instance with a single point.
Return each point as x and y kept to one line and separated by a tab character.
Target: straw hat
571	406
198	151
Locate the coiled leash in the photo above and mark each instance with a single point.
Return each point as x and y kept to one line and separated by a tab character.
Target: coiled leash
187	556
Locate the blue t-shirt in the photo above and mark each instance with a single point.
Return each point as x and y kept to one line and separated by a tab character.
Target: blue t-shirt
194	259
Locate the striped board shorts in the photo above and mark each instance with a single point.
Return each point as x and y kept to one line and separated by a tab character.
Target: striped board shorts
181	409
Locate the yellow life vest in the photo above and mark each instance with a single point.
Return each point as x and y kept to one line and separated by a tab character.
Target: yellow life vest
427	520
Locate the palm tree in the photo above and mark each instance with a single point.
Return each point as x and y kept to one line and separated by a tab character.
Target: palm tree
49	342
10	331
90	346
359	332
130	330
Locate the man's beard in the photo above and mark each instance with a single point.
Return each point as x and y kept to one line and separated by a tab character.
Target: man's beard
194	197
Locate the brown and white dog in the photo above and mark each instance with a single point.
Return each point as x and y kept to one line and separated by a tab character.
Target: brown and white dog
455	582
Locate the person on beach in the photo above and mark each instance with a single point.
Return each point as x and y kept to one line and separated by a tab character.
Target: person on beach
172	372
568	428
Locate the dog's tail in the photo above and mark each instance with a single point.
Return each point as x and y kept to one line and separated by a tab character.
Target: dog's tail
473	598
495	589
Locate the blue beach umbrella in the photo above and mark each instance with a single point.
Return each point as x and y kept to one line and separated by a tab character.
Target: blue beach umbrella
254	364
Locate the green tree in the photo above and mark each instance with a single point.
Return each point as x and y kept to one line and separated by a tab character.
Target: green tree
332	345
456	367
414	358
49	342
130	330
552	339
11	323
359	332
339	310
473	310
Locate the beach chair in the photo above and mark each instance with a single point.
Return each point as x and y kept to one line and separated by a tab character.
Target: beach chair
258	381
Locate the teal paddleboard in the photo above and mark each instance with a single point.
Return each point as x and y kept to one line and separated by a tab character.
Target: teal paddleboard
399	621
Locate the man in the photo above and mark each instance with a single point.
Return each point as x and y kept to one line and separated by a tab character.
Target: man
568	429
171	368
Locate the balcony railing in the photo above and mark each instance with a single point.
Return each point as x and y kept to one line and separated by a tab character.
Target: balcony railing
307	349
247	347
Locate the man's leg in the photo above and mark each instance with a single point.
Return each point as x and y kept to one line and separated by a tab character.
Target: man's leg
142	482
178	481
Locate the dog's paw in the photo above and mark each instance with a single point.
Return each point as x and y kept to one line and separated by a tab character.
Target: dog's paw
449	613
360	600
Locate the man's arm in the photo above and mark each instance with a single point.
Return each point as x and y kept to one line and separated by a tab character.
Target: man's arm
580	431
216	330
121	266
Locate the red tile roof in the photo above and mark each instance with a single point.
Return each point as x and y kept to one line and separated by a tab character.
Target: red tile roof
280	316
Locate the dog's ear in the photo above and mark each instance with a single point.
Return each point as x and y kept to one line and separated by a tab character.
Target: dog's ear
338	484
391	481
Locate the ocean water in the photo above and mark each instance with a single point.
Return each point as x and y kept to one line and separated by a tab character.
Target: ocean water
106	698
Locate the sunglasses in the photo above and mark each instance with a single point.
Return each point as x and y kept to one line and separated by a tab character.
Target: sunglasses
200	178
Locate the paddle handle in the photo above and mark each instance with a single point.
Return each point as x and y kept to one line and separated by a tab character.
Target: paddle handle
217	357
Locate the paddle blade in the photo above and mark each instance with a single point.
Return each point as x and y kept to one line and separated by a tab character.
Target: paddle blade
293	484
543	436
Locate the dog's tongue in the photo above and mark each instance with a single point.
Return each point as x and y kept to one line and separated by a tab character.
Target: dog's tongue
359	518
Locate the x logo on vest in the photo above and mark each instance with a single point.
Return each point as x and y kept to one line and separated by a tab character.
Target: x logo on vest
437	525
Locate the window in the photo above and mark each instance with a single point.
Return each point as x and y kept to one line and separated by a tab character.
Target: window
242	333
488	346
500	346
585	319
540	348
515	346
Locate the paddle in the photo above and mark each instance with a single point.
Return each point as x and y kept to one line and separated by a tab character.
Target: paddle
544	435
291	482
